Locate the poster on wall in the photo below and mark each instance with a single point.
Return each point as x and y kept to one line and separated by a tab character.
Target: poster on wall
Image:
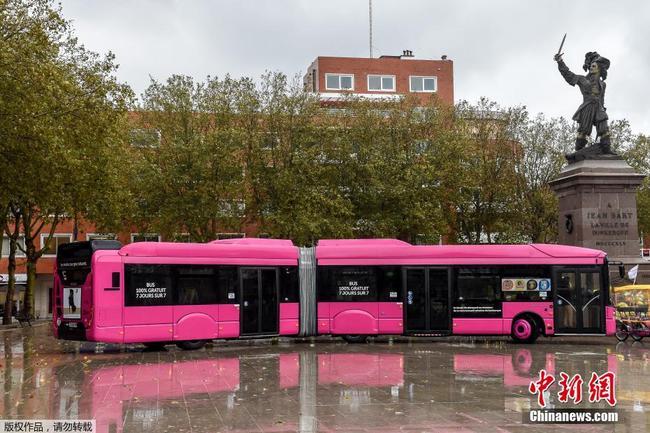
72	303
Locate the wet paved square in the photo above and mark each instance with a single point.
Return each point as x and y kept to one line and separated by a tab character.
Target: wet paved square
445	385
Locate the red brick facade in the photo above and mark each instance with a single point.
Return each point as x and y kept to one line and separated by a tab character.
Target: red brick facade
401	67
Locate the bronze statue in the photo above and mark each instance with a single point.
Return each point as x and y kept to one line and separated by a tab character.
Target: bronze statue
592	111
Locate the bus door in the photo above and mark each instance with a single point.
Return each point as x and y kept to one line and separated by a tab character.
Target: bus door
259	301
579	304
427	298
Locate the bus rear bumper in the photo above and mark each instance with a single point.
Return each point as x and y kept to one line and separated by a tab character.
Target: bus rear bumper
71	331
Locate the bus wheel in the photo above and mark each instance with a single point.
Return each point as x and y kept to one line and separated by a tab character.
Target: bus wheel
355	338
191	345
154	345
524	330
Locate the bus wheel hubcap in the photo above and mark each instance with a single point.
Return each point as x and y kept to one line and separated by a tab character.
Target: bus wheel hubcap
522	329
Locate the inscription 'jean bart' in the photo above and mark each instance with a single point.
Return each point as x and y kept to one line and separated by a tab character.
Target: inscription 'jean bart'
609	223
610	215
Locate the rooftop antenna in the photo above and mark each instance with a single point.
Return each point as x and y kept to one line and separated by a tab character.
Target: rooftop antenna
370	21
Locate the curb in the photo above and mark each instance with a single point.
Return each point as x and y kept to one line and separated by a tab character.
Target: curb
18	326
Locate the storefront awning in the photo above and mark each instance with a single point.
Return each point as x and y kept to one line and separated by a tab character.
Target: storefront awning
20	278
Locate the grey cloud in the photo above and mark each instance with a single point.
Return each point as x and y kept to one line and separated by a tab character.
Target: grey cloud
501	49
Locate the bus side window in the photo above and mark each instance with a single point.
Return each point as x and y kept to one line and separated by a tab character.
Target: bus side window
347	284
195	285
389	283
477	292
147	285
536	285
478	284
227	279
289	285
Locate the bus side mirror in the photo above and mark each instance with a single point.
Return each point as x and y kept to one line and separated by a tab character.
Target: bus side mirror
621	271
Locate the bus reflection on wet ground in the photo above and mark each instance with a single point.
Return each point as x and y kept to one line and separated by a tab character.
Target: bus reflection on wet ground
444	385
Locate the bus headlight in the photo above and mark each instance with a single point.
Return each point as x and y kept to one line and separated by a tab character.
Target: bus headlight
58	321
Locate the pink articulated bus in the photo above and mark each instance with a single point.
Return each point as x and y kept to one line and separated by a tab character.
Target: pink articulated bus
159	293
188	294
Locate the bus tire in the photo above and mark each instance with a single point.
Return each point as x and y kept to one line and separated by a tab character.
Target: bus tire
154	345
355	339
524	330
191	344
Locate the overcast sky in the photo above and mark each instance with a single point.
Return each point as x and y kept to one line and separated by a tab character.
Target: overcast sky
501	49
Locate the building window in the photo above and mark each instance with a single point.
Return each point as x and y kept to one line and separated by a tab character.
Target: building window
101	236
423	84
182	237
57	239
5	246
339	81
145	237
230	235
145	137
381	83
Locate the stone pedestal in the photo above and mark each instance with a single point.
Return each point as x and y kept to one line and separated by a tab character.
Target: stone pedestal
598	207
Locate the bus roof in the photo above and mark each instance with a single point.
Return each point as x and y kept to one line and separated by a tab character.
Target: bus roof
264	242
381	251
362	242
226	248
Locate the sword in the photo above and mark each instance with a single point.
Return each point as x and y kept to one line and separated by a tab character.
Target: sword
559	52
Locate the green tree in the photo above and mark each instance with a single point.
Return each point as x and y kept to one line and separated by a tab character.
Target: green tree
401	162
294	168
543	143
488	206
62	113
638	156
188	177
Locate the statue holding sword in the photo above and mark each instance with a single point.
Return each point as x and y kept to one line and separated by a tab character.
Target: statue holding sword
592	111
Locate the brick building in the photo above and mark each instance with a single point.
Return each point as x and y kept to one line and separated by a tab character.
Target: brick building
385	77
